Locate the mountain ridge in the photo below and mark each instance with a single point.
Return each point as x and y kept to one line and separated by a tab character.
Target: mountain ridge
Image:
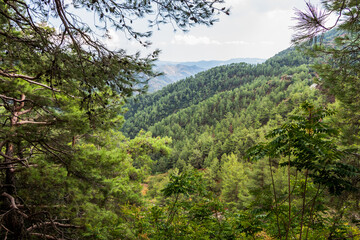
147	109
175	71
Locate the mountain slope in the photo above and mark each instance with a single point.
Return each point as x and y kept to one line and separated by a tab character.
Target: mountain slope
234	120
174	71
146	110
214	63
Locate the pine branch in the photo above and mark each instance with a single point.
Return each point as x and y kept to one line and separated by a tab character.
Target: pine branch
29	79
14	99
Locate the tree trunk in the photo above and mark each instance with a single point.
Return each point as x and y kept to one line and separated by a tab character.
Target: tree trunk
13	218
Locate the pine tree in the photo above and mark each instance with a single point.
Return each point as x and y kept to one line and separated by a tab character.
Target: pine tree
62	86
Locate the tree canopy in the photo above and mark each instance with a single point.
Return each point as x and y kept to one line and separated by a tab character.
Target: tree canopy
60	88
338	63
303	181
67	172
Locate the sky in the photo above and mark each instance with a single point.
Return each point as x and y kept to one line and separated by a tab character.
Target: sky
254	29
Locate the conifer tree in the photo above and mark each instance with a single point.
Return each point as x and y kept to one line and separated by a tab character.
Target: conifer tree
60	86
338	64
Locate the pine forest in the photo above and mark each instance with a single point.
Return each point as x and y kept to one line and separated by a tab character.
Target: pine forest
266	150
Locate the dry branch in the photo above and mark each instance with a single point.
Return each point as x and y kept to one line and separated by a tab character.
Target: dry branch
46	236
39	225
11	198
32	122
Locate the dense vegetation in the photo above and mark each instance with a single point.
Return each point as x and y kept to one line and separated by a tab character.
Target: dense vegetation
259	152
64	169
267	151
146	110
175	71
241	188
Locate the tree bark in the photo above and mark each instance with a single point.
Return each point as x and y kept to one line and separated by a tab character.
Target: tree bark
13	218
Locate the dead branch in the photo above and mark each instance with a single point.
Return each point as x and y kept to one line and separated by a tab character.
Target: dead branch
11	158
7	230
45	206
47	236
13	162
32	122
62	225
14	75
2	144
11	198
22	168
54	149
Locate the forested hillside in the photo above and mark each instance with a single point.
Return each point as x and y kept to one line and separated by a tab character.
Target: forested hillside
232	121
175	71
66	172
146	110
245	140
225	109
267	151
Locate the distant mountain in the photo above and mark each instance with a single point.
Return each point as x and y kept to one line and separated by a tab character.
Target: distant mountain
172	73
175	71
213	63
223	110
146	110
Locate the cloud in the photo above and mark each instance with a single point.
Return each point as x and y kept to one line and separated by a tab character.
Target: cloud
114	39
193	40
255	28
117	40
261	6
232	3
236	42
202	40
266	43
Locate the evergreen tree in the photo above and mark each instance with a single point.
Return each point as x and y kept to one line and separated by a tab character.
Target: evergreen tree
61	87
338	65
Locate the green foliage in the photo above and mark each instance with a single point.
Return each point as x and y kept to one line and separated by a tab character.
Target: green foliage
306	137
189	212
214	129
68	173
184	183
304	143
338	64
234	179
233	121
146	110
154	186
92	199
61	93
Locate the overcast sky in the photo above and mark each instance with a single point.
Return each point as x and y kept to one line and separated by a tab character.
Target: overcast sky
255	28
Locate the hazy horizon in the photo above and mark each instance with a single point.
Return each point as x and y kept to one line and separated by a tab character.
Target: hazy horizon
254	29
